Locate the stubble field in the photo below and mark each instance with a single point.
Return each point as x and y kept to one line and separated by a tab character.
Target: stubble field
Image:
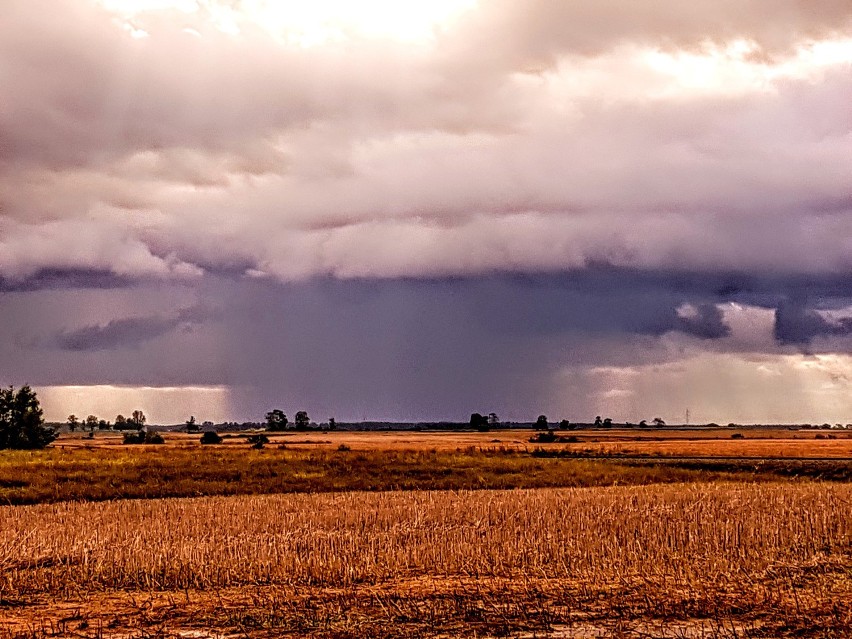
677	552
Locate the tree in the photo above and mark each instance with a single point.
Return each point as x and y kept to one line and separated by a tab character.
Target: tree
104	424
73	422
643	423
120	422
91	423
598	420
276	420
541	423
607	423
479	422
493	420
659	421
302	420
137	419
332	423
191	426
21	422
566	425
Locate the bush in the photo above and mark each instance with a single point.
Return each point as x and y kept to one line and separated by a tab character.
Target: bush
258	441
547	437
211	437
143	437
21	422
136	437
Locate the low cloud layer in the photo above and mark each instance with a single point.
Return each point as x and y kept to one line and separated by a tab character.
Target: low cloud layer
795	323
126	332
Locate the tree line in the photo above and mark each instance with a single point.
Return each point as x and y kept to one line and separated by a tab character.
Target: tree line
22	424
136	421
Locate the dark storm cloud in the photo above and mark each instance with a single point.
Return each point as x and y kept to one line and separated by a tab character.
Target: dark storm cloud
400	349
796	323
65	279
705	321
126	332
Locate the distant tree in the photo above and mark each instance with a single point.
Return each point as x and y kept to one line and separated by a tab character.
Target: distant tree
91	423
73	422
104	424
643	423
276	420
607	423
493	420
566	425
479	422
21	422
302	420
659	421
120	422
541	423
191	426
137	419
598	420
332	423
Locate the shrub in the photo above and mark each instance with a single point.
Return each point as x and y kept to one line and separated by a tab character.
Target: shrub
547	437
211	437
258	441
136	437
143	437
154	438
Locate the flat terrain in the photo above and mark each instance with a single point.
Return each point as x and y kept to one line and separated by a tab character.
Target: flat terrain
78	468
676	534
705	442
718	558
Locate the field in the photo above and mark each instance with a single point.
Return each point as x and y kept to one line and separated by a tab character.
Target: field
380	535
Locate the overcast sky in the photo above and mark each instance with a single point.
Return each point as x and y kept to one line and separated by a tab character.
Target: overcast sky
418	210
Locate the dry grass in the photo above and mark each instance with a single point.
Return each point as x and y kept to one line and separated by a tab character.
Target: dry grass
772	556
100	473
675	443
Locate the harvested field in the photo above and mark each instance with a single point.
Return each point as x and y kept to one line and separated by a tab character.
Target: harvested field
756	442
721	558
105	472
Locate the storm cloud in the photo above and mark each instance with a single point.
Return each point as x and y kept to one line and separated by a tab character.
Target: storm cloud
514	188
126	332
795	323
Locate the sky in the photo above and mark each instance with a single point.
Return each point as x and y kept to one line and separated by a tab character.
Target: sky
418	210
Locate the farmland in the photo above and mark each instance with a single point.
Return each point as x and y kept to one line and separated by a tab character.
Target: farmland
390	535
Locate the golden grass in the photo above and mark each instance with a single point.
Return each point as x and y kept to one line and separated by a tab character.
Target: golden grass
682	532
760	552
762	442
100	473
